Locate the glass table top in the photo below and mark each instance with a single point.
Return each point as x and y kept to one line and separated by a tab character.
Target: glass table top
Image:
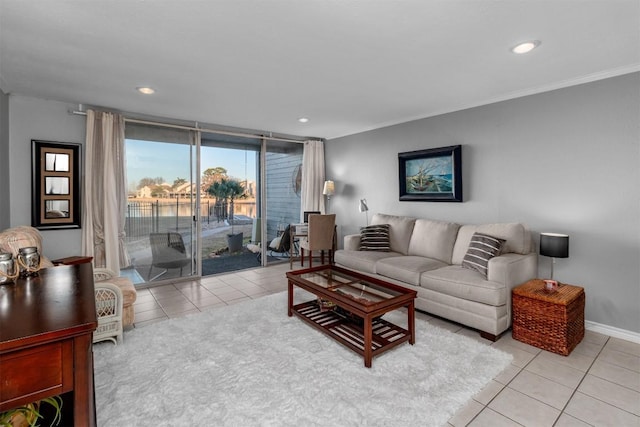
357	289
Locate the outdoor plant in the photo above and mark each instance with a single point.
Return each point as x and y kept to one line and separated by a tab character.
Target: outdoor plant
30	415
227	190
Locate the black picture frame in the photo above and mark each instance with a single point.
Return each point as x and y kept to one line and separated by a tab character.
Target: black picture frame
432	175
55	185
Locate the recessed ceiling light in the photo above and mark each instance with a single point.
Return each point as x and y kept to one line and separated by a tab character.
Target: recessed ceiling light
303	120
525	47
145	90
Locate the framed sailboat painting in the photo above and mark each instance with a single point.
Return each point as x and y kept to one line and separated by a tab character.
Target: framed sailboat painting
432	175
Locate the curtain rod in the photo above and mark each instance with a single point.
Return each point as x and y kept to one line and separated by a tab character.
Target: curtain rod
217	131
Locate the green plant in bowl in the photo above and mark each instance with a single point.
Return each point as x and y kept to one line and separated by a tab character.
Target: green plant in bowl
29	415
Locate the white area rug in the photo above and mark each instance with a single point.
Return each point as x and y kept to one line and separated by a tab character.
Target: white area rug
250	364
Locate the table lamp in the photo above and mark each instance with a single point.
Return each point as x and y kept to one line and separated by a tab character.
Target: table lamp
362	207
554	245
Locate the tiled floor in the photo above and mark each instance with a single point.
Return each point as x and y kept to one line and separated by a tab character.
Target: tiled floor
597	385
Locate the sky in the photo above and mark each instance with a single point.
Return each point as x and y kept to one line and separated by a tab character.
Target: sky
146	159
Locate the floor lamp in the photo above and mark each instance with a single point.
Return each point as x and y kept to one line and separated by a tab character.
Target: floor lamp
329	190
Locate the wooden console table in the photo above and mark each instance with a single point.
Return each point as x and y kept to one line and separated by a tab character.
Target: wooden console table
46	329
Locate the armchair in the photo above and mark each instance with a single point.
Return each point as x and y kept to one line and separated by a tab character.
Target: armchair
12	239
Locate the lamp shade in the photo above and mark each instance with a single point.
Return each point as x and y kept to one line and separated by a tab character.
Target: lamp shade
554	245
362	206
329	188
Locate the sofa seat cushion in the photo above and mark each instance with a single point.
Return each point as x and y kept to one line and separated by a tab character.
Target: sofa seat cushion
362	260
466	284
407	268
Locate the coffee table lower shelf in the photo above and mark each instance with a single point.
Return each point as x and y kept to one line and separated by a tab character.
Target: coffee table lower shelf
384	335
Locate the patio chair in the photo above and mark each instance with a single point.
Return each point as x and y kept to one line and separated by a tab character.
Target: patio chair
167	251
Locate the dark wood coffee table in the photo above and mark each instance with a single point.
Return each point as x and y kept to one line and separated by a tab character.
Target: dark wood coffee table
349	307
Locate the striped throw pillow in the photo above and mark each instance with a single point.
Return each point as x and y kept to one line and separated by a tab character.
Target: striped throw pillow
482	248
375	238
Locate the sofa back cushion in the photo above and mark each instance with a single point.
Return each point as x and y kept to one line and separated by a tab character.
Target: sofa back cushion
433	239
517	238
400	229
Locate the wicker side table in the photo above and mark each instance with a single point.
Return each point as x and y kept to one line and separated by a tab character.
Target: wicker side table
552	321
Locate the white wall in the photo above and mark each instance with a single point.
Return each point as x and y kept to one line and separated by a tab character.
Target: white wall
31	118
563	161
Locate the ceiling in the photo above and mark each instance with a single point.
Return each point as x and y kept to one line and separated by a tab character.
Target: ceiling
347	65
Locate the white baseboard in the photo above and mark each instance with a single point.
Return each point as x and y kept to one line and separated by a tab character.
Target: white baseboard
613	331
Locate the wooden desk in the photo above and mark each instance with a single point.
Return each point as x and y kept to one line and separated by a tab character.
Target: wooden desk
72	260
46	329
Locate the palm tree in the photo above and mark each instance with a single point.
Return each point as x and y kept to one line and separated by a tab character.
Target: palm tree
227	190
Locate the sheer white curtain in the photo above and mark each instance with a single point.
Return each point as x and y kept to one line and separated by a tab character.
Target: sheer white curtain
311	198
105	192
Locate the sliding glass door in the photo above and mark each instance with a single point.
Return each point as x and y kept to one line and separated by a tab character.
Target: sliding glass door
203	203
230	197
162	194
283	180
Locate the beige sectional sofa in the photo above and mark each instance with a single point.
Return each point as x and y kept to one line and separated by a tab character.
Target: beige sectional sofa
427	256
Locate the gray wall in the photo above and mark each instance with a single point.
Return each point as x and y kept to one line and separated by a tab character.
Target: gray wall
31	118
5	189
564	161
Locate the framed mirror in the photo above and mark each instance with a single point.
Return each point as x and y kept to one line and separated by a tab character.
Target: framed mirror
55	185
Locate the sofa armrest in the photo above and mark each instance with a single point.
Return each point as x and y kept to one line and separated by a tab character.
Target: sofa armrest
352	242
513	269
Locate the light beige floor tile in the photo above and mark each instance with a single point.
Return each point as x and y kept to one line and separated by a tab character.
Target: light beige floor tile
542	389
507	338
569	421
239	300
508	374
490	418
156	290
574	360
151	305
230	295
169	295
561	374
597	413
595	337
253	290
523	409
198	293
613	394
142	324
616	374
489	392
625	360
219	289
178	307
183	313
521	358
149	315
172	299
589	349
624	346
206	302
144	298
213	306
466	414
